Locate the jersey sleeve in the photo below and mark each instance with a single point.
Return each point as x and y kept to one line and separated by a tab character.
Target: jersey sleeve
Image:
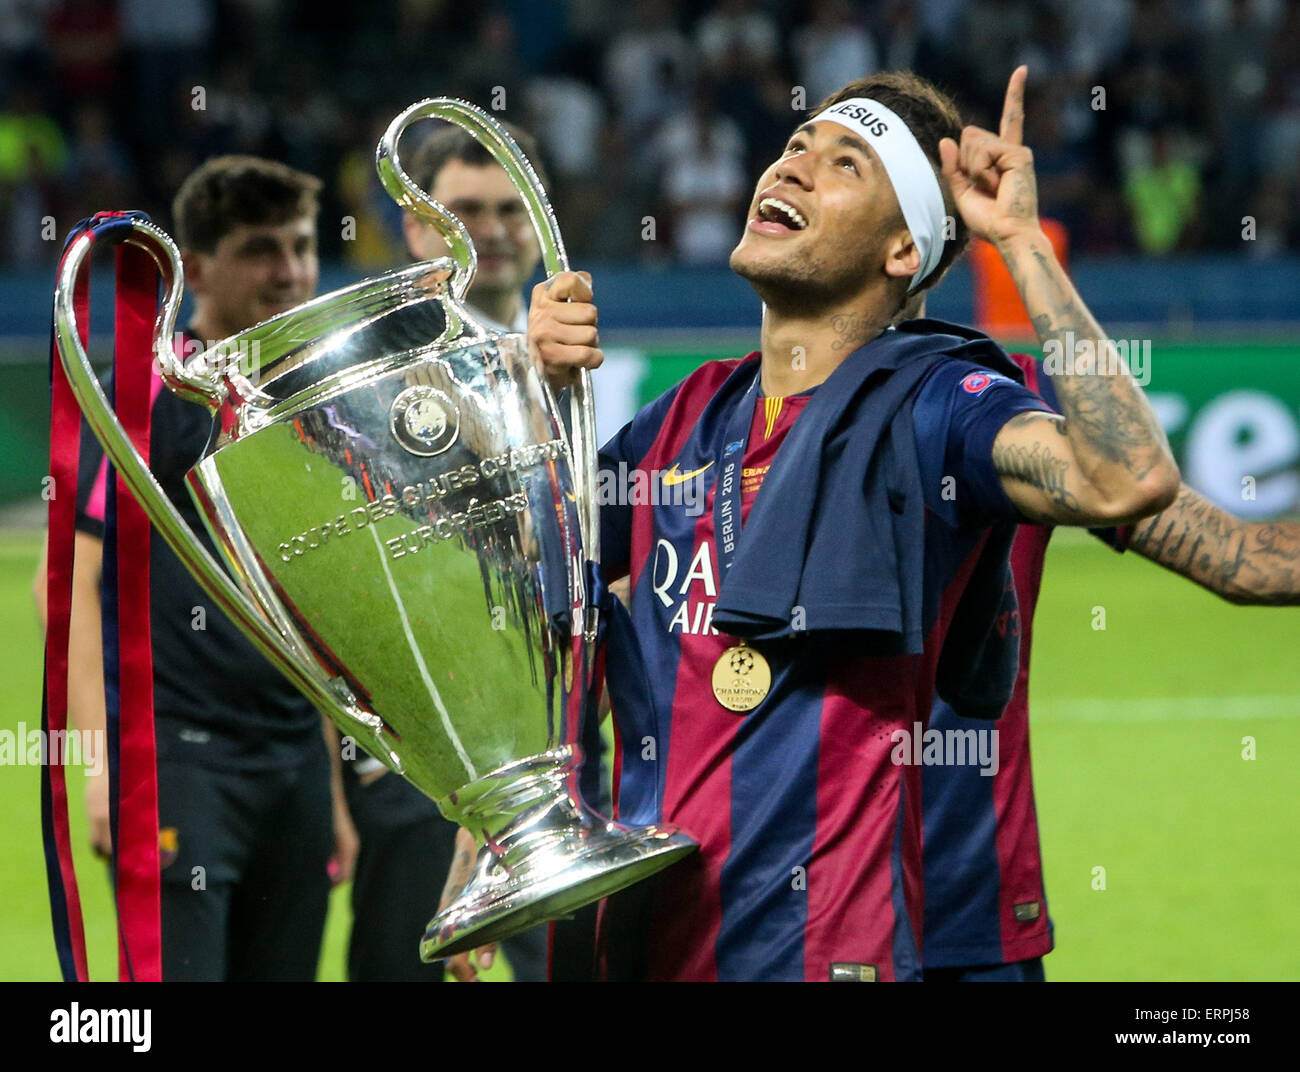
618	460
958	412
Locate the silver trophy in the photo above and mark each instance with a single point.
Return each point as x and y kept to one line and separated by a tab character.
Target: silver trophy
410	530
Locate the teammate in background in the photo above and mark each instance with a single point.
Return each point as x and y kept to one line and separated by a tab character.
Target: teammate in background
406	844
463	176
244	778
775	642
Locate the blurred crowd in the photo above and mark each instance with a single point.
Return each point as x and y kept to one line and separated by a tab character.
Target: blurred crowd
1158	126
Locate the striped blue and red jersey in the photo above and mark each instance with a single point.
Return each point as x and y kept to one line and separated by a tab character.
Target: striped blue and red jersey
809	866
985	901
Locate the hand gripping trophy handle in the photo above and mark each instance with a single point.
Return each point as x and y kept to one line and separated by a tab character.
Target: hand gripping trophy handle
505	150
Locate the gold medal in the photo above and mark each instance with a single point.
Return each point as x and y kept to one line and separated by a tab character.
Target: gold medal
741	678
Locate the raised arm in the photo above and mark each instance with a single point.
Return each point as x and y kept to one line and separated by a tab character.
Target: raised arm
1106	460
1245	562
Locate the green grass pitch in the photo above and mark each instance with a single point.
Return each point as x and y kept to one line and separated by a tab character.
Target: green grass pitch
1138	733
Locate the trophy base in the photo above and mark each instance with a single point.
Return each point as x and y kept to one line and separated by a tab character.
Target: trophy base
545	854
606	860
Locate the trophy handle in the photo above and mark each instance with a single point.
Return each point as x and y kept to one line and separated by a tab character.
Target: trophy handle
190	380
195	384
407	193
505	150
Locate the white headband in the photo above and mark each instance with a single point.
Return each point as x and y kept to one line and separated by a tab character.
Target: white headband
909	170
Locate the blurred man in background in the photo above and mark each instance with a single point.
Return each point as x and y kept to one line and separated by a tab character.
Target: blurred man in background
246	821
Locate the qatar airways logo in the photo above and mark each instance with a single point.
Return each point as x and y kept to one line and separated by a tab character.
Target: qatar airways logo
673	588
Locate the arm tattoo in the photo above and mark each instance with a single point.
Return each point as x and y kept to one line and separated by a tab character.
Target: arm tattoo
1109	420
1039	468
1238	560
1273	558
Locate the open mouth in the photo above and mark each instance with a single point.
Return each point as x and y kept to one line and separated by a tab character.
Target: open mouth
778	217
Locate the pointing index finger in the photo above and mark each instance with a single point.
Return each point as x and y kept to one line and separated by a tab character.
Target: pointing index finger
1013	107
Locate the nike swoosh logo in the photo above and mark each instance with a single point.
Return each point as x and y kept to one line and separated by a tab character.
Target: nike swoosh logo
674	477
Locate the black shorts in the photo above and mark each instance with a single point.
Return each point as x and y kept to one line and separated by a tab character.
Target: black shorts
245	882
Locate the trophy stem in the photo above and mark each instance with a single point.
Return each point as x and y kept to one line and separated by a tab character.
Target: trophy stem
545	854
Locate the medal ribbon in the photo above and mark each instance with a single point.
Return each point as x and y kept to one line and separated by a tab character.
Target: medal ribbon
65	442
128	661
730	452
727	522
133	805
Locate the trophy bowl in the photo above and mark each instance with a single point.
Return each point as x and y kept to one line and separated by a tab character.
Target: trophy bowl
409	531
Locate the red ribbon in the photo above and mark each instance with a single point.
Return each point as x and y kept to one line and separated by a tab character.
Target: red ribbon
65	441
138	913
132	754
